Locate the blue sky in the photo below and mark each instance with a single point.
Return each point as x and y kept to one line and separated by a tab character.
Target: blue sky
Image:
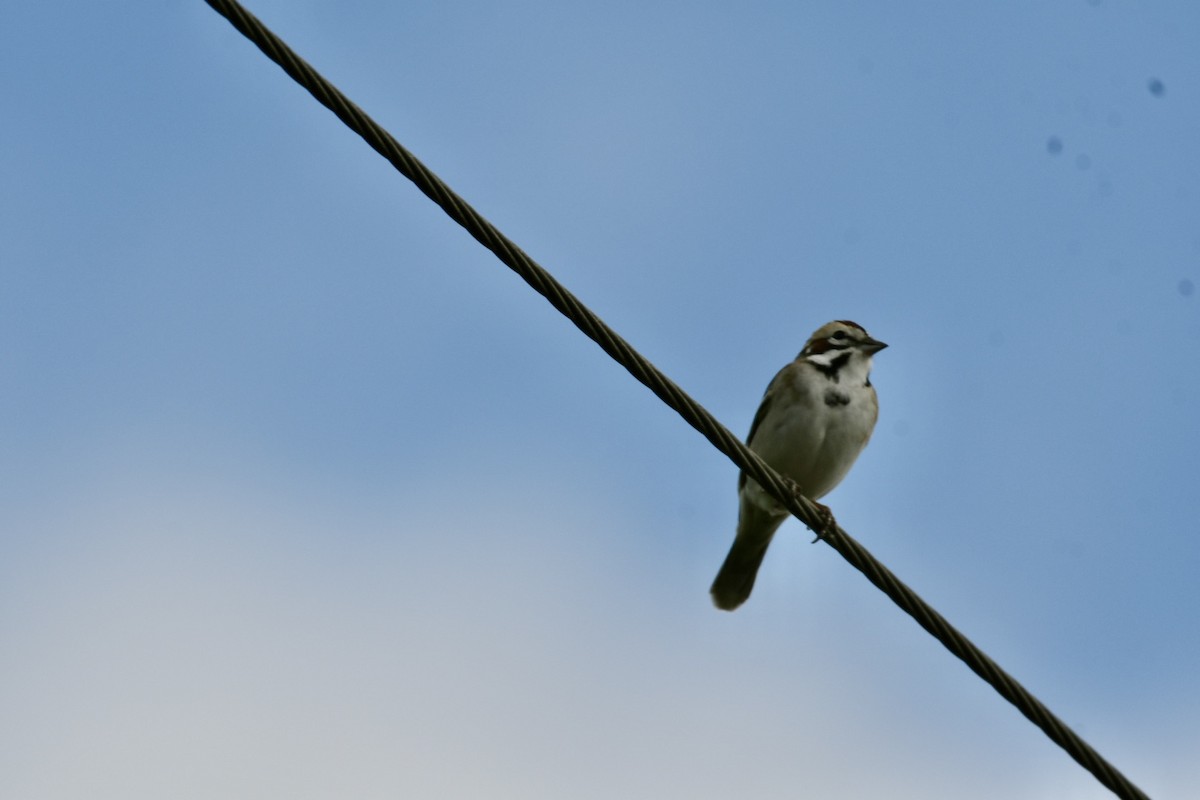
305	495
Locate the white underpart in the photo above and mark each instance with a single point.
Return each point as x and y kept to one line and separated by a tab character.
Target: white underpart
813	443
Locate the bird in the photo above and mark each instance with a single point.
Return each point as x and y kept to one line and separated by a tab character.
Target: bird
815	418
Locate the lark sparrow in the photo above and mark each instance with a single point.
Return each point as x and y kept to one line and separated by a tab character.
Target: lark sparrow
815	418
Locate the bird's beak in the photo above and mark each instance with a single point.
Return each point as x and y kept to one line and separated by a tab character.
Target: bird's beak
871	346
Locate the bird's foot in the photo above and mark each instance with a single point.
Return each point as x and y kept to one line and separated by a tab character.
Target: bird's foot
827	524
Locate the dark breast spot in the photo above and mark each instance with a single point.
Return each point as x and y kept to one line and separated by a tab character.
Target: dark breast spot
834	398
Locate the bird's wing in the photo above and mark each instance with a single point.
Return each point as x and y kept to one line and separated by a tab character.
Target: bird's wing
764	408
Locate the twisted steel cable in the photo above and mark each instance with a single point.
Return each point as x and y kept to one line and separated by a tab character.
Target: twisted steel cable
692	412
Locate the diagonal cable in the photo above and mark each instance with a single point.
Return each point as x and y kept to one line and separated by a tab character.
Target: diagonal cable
693	413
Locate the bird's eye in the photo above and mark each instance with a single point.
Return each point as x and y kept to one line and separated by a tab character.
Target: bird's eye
838	336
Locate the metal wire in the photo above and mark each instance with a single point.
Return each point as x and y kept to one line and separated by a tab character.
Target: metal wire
779	487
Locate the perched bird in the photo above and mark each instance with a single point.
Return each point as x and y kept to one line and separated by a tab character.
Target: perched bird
815	418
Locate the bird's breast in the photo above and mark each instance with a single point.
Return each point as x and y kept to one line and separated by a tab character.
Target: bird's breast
815	442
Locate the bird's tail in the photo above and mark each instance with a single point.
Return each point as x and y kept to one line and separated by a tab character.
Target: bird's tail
735	579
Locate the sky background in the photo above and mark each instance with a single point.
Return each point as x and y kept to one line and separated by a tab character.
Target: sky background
304	495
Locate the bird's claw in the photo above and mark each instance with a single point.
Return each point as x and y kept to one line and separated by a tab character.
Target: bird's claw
827	523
